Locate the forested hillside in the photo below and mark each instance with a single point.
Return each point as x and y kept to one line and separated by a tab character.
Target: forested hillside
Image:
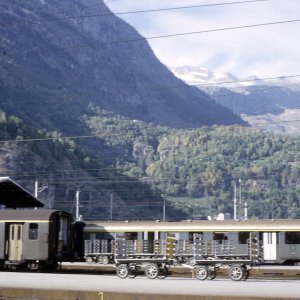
199	167
136	164
62	167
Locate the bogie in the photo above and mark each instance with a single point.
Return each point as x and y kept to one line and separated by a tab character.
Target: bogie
201	272
151	270
236	272
122	271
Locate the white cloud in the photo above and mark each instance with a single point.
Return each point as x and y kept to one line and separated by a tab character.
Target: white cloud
264	51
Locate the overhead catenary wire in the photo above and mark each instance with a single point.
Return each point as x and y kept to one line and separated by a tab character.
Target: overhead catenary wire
224	29
85	45
206	84
278	122
88	136
111	133
39	20
163	88
148	180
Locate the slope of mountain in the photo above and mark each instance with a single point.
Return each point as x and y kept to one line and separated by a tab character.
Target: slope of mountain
60	66
74	76
250	96
286	122
58	70
62	169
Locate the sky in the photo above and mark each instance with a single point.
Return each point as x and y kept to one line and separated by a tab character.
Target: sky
266	51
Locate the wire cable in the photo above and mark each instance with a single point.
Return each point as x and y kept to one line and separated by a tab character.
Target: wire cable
39	20
80	46
101	134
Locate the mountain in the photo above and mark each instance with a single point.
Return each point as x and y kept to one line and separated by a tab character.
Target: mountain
250	96
61	64
58	72
65	75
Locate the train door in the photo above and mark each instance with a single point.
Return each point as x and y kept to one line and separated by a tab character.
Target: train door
270	245
15	242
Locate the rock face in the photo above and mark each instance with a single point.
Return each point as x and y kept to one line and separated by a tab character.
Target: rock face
55	63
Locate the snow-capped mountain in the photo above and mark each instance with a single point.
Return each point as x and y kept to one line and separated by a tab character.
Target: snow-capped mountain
251	95
273	100
198	75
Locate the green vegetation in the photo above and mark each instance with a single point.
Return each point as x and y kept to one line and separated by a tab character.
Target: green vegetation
204	164
194	169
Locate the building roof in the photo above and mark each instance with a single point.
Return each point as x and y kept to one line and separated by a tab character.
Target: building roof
12	195
17	215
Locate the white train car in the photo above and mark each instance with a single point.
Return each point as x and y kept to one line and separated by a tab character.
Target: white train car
204	245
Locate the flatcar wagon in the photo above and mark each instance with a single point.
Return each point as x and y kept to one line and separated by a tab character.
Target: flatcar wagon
35	239
204	245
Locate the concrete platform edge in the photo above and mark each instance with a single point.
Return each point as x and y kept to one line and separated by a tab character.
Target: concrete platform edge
45	294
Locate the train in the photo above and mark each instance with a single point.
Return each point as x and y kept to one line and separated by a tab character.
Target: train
204	245
35	239
41	239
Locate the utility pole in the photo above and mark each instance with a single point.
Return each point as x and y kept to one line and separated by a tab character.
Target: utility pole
245	202
246	210
240	188
164	208
77	217
111	206
234	202
36	188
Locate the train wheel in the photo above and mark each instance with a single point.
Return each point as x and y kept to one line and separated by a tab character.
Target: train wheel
105	260
175	262
133	271
201	272
132	274
163	272
236	272
246	274
122	271
212	274
89	260
191	261
151	271
99	260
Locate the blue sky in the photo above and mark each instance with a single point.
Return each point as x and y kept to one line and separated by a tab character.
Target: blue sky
262	51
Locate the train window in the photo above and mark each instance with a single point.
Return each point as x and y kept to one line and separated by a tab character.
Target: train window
12	232
292	237
150	236
19	233
131	235
33	231
198	235
104	236
243	237
64	229
220	236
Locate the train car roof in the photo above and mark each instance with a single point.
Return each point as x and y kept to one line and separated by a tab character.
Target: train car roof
197	225
12	195
26	215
